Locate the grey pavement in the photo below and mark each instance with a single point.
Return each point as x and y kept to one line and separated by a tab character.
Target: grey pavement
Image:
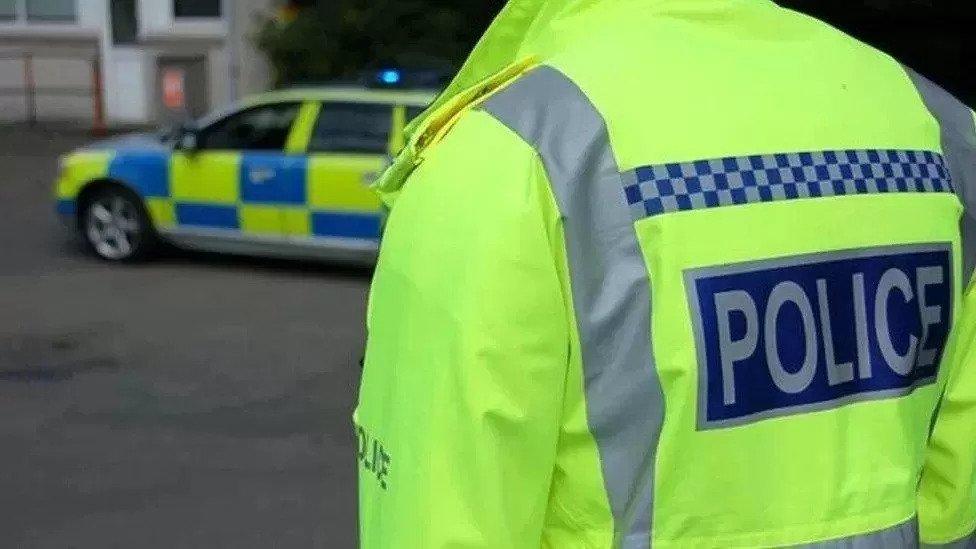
193	401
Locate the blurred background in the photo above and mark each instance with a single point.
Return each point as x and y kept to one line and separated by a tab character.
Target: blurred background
204	400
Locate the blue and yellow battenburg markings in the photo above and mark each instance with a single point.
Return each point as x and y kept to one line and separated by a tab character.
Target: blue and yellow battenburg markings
147	172
813	332
66	206
675	187
253	188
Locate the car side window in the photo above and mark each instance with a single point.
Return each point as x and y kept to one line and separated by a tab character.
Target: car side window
352	128
263	128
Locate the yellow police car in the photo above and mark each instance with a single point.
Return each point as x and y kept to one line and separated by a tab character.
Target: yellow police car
282	174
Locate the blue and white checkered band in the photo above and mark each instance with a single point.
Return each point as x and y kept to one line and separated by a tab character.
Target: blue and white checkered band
665	188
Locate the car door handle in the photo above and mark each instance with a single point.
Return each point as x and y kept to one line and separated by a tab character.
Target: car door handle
261	175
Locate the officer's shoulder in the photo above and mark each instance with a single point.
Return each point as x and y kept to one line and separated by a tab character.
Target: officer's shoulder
438	124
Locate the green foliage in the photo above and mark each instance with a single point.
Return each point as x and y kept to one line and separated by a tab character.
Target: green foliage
340	38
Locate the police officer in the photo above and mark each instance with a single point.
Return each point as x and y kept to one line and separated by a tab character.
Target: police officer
674	273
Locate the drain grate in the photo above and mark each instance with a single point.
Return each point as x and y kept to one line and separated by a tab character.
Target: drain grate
57	357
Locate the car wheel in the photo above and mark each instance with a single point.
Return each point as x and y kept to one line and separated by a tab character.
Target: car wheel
116	227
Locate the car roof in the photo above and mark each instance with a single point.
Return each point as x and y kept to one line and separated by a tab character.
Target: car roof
348	94
351	94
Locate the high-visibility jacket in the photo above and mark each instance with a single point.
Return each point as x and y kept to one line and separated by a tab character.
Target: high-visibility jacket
674	273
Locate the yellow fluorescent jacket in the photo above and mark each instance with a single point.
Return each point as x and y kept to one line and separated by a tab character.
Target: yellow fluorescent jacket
674	273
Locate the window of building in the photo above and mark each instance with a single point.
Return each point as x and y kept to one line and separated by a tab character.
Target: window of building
263	128
352	127
125	28
196	8
51	10
8	10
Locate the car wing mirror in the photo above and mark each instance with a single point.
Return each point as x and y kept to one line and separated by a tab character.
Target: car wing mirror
188	141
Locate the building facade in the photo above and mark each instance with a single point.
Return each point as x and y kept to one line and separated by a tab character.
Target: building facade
84	59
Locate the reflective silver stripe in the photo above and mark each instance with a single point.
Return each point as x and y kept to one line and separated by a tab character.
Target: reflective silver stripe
900	536
610	285
959	149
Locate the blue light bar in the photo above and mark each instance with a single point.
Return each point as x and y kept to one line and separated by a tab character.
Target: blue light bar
390	77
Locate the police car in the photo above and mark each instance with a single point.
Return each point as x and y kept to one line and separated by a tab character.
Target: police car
281	174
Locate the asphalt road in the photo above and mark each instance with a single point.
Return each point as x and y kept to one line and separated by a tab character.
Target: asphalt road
194	401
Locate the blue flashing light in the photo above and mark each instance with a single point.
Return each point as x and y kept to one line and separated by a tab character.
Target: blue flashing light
390	77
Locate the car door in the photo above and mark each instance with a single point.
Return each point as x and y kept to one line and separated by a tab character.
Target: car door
239	179
349	146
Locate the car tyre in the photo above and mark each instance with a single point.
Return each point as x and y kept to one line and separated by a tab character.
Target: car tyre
116	227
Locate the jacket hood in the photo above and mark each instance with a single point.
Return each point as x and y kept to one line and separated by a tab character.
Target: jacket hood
527	28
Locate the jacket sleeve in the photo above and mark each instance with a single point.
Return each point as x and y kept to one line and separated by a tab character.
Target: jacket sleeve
458	413
947	491
947	488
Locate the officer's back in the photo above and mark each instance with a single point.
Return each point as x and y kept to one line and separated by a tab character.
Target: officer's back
687	273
